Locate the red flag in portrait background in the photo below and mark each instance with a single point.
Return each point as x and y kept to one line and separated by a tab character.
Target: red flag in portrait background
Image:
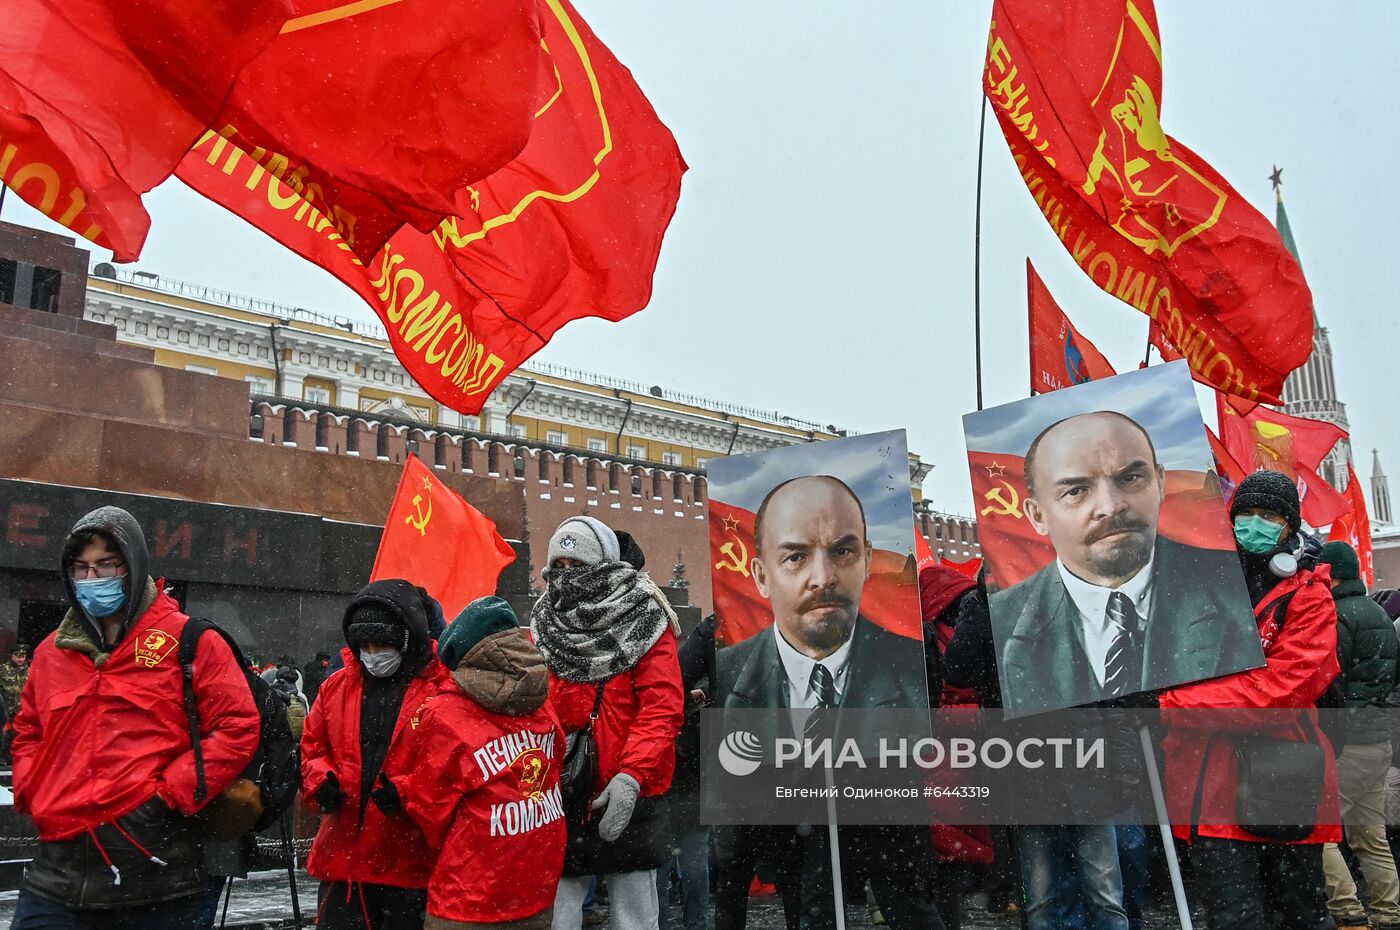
1354	527
923	553
1077	87
890	599
1267	439
571	228
99	100
1060	356
1193	512
439	542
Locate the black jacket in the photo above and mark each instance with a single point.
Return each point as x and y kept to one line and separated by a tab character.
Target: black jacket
1367	650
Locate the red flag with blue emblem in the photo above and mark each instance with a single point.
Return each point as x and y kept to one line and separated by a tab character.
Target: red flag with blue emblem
1060	356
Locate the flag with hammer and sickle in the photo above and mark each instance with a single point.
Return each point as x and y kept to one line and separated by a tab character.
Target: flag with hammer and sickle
438	541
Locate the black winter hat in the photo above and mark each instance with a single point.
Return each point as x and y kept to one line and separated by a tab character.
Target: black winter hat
375	625
1272	491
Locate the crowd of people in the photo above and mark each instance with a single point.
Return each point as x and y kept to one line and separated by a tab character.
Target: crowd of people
493	772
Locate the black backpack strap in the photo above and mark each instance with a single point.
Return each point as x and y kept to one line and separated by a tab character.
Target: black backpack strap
189	643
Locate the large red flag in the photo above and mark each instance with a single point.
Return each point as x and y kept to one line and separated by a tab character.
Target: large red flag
1014	550
890	599
1267	439
1077	87
399	105
1060	356
1354	527
571	228
439	542
100	99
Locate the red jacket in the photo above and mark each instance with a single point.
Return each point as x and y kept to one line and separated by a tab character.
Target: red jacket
642	712
382	850
1301	661
484	789
93	744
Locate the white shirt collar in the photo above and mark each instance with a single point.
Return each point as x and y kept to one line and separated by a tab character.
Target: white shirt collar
798	668
1092	600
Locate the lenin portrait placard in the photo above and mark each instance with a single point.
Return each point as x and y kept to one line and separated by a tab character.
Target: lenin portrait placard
814	576
1107	543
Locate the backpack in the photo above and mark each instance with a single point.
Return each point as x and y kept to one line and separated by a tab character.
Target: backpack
276	765
1334	698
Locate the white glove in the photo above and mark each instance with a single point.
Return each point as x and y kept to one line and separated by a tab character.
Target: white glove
619	797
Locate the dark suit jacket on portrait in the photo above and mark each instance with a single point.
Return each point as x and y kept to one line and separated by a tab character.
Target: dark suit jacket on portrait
1201	626
885	670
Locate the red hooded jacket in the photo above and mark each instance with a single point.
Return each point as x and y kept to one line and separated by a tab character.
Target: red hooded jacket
484	790
642	712
1301	661
94	743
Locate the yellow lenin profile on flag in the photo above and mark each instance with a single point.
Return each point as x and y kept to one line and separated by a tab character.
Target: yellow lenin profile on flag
1162	200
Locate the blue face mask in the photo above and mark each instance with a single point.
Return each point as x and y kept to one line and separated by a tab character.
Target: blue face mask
1257	535
100	597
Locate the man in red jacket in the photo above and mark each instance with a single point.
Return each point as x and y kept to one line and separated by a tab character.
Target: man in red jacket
372	860
1248	880
102	754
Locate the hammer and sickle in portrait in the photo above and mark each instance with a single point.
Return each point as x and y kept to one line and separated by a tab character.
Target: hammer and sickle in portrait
419	518
734	561
1002	507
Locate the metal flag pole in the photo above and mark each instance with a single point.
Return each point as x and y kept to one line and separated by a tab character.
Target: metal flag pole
833	839
1159	801
1147	352
3	190
977	256
289	847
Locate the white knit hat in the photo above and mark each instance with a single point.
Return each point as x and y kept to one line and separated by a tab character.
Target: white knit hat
584	539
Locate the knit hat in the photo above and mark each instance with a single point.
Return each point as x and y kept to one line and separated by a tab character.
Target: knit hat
1272	491
479	619
375	625
585	540
1342	557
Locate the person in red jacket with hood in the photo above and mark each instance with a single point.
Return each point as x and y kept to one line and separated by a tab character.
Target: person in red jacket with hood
484	786
1250	881
372	860
102	753
609	638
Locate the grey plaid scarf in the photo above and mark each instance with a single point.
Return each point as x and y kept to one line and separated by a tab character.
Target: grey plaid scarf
597	621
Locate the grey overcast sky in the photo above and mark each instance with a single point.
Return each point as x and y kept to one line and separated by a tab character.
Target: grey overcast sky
820	263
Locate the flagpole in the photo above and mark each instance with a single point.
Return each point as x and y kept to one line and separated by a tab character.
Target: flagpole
1147	352
977	255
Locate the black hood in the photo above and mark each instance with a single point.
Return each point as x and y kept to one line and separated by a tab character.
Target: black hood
121	529
405	601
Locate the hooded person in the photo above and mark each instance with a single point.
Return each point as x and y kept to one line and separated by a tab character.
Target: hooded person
484	785
102	755
1254	875
609	638
372	860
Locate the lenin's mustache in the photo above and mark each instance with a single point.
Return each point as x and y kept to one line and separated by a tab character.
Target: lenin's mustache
1115	525
824	599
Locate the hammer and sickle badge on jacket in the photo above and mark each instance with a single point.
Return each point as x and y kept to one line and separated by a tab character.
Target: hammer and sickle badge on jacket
155	647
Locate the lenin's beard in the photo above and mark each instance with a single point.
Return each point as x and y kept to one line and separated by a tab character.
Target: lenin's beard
1127	553
827	631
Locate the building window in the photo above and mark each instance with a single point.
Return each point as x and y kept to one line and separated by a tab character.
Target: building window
202	369
597	445
316	395
557	437
259	385
515	430
670	458
636	452
701	463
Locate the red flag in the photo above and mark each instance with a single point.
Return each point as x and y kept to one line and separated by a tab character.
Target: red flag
1354	528
1077	86
1060	357
890	599
923	553
571	228
439	542
399	105
1014	550
970	568
1267	439
99	100
1231	472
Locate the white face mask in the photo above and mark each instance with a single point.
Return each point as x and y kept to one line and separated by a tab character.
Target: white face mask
381	664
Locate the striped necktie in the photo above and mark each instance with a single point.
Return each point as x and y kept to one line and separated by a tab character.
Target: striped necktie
1122	673
823	685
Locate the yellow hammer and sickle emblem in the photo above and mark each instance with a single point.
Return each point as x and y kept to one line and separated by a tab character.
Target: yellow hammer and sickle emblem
419	518
734	561
1002	507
